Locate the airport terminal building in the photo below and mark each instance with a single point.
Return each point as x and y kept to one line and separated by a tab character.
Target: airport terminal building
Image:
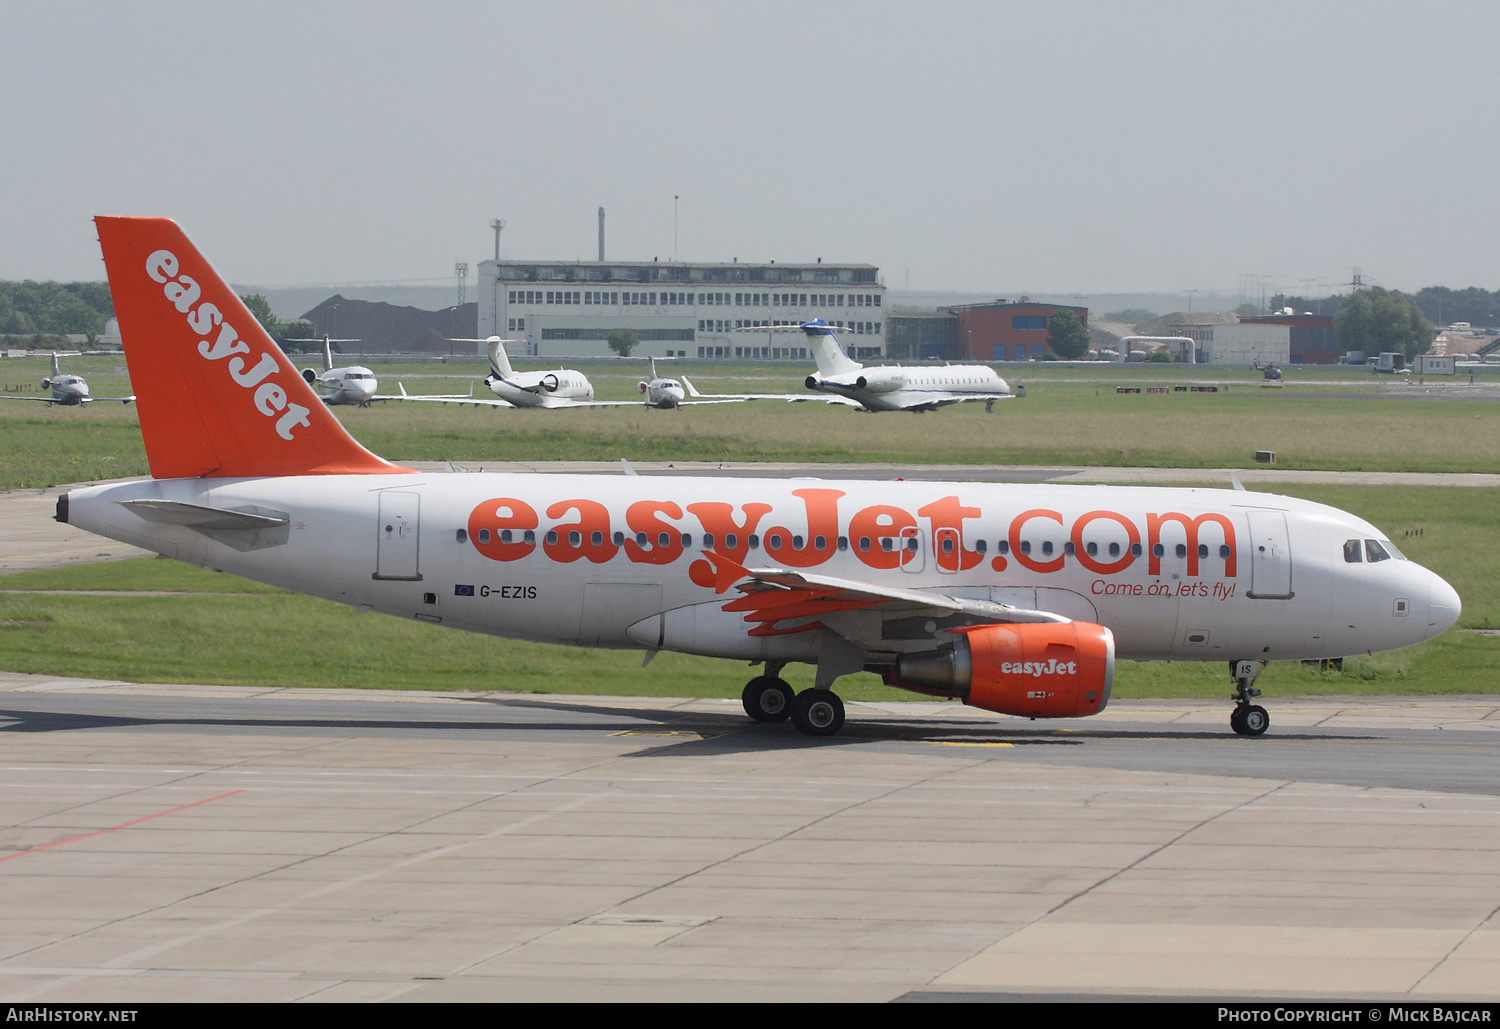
709	311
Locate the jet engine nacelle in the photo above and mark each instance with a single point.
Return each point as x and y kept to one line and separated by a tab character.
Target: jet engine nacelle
1037	670
549	383
823	385
880	382
46	384
311	375
643	386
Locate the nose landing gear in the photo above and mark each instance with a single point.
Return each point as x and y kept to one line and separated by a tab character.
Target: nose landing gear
1247	719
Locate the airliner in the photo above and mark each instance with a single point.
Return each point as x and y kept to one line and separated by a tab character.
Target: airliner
892	387
1013	598
66	390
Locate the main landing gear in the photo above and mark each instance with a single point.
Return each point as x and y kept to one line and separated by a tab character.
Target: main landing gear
1247	719
815	712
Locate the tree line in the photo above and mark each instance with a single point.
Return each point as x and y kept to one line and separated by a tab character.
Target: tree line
30	312
54	308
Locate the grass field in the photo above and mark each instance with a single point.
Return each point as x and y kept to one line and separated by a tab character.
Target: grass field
195	626
1071	416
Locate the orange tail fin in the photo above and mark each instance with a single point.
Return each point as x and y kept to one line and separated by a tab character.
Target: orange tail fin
217	397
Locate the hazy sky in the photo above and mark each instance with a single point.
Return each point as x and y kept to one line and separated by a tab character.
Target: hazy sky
981	146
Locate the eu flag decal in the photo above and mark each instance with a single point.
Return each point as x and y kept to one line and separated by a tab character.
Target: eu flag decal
463	591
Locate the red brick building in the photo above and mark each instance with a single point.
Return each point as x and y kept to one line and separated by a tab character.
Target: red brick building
1312	341
1005	331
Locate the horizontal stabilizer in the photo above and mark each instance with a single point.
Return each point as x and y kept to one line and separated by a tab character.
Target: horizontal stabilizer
196	516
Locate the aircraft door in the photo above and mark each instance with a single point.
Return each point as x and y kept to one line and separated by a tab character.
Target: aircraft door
1270	556
396	555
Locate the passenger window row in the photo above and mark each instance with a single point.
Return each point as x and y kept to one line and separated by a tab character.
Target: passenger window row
948	544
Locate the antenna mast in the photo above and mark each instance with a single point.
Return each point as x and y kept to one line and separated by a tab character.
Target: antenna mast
497	224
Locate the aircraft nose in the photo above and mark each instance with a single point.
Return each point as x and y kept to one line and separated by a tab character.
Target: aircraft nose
1443	607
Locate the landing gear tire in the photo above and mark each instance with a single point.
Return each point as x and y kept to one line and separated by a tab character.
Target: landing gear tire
1250	720
768	699
1255	721
1237	721
1247	719
818	712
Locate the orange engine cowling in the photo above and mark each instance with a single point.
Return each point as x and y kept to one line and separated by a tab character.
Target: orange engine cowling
1037	670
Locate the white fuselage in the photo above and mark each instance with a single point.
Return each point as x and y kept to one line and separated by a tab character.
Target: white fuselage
664	394
618	561
556	388
68	390
352	385
894	388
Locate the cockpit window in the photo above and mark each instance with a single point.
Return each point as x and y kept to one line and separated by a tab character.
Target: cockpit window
1375	552
1353	552
1391	549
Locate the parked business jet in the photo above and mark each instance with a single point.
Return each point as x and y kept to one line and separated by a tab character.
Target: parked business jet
353	384
667	394
1015	598
556	387
67	390
892	387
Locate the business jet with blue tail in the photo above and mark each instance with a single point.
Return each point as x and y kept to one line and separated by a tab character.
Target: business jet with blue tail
1015	598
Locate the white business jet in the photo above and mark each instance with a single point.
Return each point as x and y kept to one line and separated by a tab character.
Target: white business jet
353	384
1012	597
554	388
67	390
892	387
667	394
842	380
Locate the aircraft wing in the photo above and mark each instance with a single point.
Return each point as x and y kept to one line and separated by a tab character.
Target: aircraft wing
827	398
783	601
794	398
553	403
445	398
548	403
81	400
942	398
427	396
